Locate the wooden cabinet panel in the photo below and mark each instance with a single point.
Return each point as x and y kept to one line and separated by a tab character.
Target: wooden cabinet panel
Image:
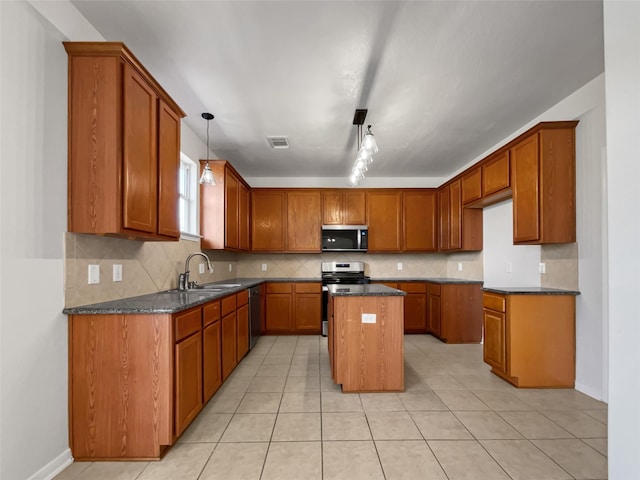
210	313
460	228
168	168
242	332
526	206
419	216
471	185
231	210
455	216
124	135
268	220
188	374
433	314
343	207
455	312
229	336
187	323
279	312
332	207
308	312
496	174
384	214
354	211
303	221
243	218
444	220
211	359
494	347
415	313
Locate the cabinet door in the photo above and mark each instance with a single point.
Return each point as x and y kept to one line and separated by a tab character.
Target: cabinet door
525	184
494	348
188	371
243	217
495	174
229	359
268	217
384	214
242	331
168	169
332	207
279	312
211	359
415	313
455	215
231	210
308	312
354	211
443	218
140	159
471	185
303	221
434	314
419	221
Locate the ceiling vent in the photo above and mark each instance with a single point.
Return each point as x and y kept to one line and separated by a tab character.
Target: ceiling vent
278	142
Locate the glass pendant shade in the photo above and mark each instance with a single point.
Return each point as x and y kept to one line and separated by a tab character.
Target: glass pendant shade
207	176
369	143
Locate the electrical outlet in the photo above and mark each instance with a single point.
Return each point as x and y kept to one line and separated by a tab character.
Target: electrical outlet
230	267
117	273
509	267
94	274
264	267
399	265
368	318
542	267
201	268
459	266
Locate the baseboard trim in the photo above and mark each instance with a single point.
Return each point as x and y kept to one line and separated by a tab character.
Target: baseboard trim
54	467
593	393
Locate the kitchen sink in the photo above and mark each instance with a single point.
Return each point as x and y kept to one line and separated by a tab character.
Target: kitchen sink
223	285
194	290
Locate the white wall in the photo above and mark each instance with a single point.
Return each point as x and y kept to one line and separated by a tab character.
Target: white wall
499	250
622	62
33	347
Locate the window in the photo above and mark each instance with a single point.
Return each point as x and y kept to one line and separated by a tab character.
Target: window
188	198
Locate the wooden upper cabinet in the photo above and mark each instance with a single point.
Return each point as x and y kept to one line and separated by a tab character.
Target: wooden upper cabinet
460	228
224	211
343	207
124	144
543	184
384	214
496	174
303	220
471	185
455	216
444	220
268	220
419	216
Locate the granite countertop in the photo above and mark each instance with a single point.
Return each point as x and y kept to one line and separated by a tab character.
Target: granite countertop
441	280
370	290
530	291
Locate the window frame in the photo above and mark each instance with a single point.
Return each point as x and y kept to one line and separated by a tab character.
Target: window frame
189	168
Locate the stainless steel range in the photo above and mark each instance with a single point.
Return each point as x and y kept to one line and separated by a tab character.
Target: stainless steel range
339	272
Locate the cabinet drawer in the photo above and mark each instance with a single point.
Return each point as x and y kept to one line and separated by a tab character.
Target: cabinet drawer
433	288
413	287
279	287
228	305
242	298
494	302
308	287
187	323
210	313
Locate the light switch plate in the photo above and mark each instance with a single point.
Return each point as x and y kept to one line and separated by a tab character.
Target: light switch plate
201	268
459	266
94	274
264	267
400	265
509	267
368	318
542	267
230	267
117	273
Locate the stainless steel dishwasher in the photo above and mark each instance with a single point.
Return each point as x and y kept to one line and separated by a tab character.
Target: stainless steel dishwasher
255	327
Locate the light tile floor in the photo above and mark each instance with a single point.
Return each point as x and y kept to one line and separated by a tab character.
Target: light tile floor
279	416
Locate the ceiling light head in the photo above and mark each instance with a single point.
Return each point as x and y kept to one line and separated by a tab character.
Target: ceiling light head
207	175
369	141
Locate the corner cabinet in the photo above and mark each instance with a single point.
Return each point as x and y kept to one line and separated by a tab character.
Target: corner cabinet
224	209
543	182
460	228
124	144
454	311
293	308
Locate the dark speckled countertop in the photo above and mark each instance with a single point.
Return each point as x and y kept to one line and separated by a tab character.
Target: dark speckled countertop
367	290
530	291
432	280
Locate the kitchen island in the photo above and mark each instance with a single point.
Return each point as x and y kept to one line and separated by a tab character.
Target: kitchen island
366	337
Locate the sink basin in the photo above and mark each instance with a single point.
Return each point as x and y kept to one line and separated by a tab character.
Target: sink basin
194	290
223	285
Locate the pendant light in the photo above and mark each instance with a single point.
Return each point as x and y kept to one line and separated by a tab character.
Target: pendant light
367	147
207	174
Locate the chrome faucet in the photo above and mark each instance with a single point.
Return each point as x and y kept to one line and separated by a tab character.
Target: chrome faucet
183	278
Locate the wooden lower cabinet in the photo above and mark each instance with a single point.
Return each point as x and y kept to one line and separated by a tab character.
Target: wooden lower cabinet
529	339
415	307
454	311
211	360
242	332
293	308
188	368
229	336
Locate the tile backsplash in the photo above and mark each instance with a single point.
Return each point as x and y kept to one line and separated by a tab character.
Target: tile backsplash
561	264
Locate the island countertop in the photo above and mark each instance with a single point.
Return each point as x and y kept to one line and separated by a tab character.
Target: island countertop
367	290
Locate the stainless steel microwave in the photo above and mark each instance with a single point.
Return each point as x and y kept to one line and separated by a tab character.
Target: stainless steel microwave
345	238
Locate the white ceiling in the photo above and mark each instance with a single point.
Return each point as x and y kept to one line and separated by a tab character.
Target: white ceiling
443	81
